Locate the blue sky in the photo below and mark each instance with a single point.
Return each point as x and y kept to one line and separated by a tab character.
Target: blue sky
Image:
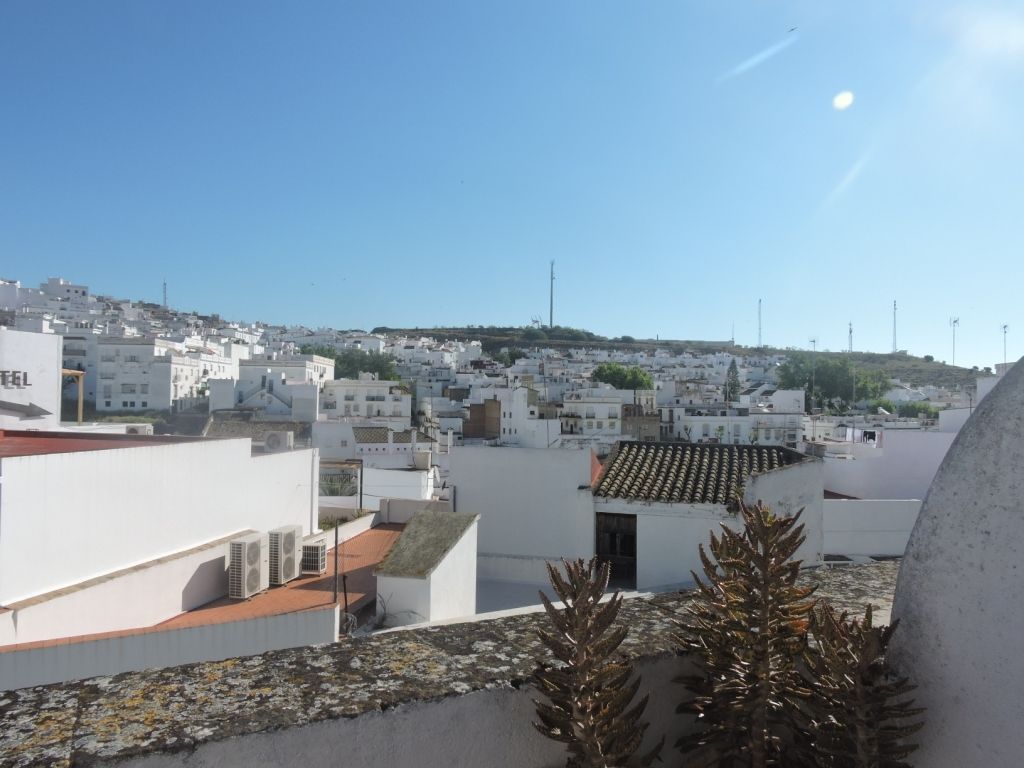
356	164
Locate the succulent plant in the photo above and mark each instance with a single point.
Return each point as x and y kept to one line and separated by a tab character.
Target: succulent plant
589	693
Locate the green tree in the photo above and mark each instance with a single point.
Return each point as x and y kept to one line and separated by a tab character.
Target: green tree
621	377
915	409
349	363
831	377
732	383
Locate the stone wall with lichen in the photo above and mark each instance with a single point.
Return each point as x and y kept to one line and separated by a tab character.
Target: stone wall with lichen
451	695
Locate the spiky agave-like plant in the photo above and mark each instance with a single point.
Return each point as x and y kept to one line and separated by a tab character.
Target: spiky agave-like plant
863	716
746	631
589	693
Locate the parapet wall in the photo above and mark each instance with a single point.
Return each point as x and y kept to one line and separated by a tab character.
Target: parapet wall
446	695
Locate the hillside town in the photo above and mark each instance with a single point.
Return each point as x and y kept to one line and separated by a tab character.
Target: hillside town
228	474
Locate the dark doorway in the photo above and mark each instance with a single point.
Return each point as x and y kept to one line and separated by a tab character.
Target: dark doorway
616	544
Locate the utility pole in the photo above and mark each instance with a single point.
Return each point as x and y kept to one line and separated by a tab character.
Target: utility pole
551	308
953	323
814	355
894	326
1005	328
165	293
850	340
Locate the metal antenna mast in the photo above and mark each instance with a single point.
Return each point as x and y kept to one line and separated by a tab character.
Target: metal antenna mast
850	341
165	293
551	309
758	323
953	323
1005	329
894	326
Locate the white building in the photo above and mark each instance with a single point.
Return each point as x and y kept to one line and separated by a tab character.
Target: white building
592	411
145	374
385	402
430	573
647	510
135	530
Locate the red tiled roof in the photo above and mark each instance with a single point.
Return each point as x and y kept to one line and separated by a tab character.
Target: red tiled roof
28	443
688	473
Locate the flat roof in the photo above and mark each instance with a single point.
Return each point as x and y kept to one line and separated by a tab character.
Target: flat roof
35	443
357	558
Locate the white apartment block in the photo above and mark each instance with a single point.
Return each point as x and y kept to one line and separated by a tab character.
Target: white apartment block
145	374
591	412
722	423
368	398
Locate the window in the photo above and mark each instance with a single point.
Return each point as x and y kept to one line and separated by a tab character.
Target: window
124	403
706	430
106	403
145	404
127	389
131	404
600	425
145	389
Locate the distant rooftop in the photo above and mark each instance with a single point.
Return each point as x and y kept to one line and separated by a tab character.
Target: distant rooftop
36	443
688	473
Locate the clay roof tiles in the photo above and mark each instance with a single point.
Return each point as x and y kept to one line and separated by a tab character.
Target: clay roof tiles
688	473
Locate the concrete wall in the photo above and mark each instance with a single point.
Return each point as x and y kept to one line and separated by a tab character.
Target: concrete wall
667	542
154	649
788	490
535	505
904	468
453	582
868	526
155	592
402	600
483	729
96	512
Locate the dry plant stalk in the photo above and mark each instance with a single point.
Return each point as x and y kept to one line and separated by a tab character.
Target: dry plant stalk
589	692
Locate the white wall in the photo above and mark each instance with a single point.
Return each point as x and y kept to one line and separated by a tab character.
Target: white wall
869	526
402	600
39	356
667	542
154	592
535	505
453	582
94	512
789	489
906	464
165	648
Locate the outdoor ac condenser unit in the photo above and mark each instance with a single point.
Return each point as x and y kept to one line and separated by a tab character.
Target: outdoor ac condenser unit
285	555
249	569
314	557
278	441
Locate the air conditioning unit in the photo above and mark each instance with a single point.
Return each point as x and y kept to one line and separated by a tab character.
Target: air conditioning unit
314	557
275	442
249	569
284	553
139	429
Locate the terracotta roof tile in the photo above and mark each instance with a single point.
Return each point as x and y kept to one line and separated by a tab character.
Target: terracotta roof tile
688	473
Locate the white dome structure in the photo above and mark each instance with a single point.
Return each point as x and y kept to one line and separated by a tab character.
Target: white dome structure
960	593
